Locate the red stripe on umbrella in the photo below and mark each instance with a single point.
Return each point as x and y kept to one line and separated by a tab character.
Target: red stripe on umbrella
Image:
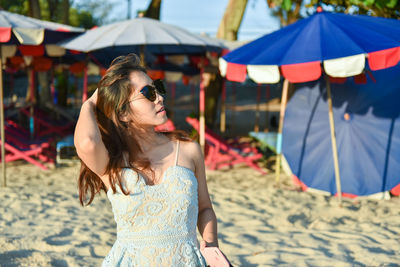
302	72
236	72
384	59
5	34
32	50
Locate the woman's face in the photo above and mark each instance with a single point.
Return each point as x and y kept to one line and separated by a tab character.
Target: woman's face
145	112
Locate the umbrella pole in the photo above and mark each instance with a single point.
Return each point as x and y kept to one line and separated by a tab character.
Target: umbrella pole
172	105
257	122
223	109
233	106
267	96
202	108
85	85
279	136
142	59
33	100
3	152
333	138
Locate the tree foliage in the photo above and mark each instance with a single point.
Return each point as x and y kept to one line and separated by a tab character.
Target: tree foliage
87	14
288	11
380	8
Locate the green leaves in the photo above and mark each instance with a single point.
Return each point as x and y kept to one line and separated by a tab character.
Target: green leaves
287	4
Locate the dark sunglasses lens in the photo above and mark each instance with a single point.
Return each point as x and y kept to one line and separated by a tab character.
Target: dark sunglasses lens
149	92
160	87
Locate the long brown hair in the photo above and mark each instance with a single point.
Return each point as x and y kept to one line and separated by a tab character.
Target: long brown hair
118	136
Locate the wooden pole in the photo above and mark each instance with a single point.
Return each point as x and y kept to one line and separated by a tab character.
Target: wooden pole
2	134
223	109
172	101
85	84
257	122
333	138
142	59
267	97
233	106
279	137
33	101
202	120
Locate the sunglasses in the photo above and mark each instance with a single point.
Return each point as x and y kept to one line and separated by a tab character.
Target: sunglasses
150	91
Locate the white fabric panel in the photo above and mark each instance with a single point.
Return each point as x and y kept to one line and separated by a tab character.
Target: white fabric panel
54	50
173	76
222	66
264	73
7	51
28	60
29	36
93	69
345	66
176	59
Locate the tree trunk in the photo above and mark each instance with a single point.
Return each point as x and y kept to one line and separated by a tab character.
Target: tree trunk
65	11
34	9
153	10
230	23
31	83
44	93
52	4
213	92
62	88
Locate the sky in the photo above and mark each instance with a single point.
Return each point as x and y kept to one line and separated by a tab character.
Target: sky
204	16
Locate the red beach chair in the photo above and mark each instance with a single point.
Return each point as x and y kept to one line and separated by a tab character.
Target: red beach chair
45	126
19	146
220	154
21	137
35	153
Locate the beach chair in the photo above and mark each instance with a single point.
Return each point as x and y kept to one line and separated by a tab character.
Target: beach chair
18	147
267	140
22	138
220	154
66	150
45	126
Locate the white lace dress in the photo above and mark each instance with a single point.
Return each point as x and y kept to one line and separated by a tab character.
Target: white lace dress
156	225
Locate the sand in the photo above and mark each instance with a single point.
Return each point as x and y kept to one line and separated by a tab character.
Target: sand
260	224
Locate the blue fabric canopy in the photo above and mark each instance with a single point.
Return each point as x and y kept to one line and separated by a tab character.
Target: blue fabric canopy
367	121
320	37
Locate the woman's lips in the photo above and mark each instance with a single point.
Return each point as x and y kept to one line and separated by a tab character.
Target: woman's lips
161	110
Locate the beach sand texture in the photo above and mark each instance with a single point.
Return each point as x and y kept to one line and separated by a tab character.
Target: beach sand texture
43	224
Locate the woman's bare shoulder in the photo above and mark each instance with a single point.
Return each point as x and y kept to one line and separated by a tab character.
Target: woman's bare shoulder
191	149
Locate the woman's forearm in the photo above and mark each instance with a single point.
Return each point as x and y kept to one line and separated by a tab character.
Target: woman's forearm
207	225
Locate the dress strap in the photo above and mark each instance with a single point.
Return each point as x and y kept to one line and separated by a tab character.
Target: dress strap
177	153
125	158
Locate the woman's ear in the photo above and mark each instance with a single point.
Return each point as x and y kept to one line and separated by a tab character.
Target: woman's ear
123	116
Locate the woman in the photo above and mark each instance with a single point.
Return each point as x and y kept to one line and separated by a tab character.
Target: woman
155	181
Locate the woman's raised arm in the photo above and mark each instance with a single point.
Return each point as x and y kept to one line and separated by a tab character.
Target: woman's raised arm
87	138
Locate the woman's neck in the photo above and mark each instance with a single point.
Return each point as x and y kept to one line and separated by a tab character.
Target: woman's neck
149	139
